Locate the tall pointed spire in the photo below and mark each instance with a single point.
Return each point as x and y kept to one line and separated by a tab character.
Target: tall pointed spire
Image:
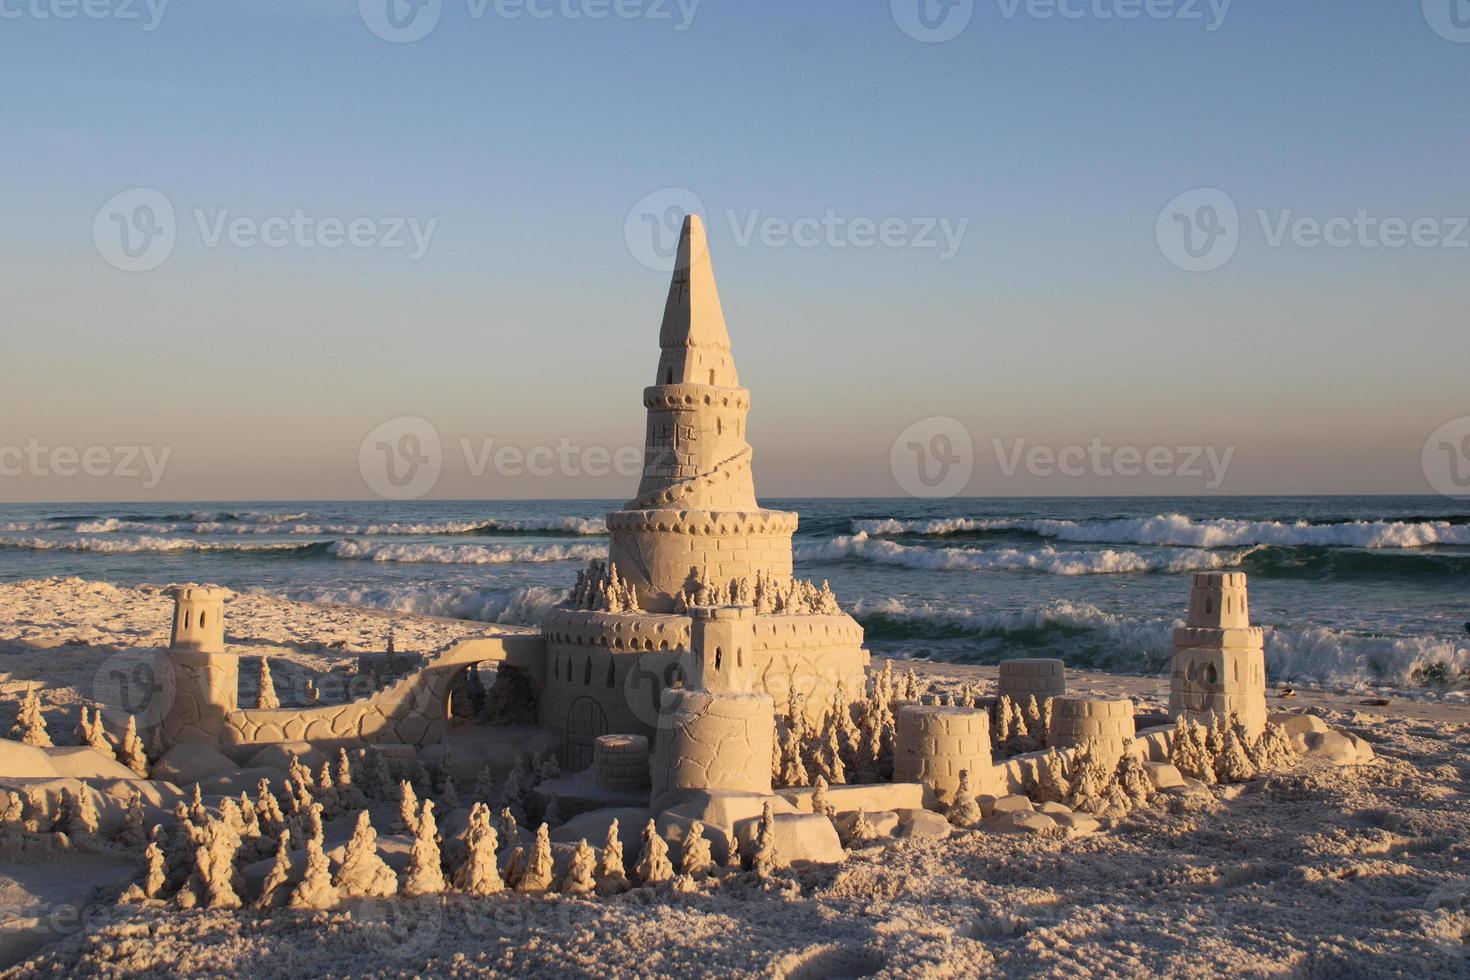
693	337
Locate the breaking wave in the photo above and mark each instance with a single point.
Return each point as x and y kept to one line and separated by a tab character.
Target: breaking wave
1180	531
463	554
153	545
519	607
1086	636
551	527
861	547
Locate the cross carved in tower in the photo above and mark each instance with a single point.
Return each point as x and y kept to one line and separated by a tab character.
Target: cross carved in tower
679	287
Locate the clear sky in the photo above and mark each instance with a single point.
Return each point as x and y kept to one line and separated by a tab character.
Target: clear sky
539	156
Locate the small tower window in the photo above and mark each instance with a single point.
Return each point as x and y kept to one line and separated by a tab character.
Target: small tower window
669	376
711	375
719	658
612	672
587	673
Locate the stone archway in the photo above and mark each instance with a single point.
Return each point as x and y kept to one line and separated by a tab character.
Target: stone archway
586	720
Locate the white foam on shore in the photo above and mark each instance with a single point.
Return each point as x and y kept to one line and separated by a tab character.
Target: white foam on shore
561	525
1314	655
1048	560
1181	531
519	607
463	554
143	545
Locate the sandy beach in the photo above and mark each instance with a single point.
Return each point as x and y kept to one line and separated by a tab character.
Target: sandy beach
1319	872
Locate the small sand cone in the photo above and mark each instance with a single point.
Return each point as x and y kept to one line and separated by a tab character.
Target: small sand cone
156	878
509	835
316	890
265	698
408	803
653	865
363	873
197	814
611	878
479	875
515	868
964	811
537	877
820	803
1233	765
425	876
134	756
217	866
696	858
763	858
30	724
580	875
279	874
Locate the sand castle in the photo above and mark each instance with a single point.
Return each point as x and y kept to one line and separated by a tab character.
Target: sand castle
689	688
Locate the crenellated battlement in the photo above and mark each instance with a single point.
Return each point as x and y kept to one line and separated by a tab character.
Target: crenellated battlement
712	523
694	396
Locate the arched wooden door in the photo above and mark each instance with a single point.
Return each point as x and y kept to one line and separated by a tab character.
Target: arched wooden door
585	722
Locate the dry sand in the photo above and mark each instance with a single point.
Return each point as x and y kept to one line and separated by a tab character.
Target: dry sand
1318	872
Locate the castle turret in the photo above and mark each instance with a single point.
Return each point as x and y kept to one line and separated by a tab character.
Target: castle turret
1219	663
715	733
200	680
695	519
723	644
199	619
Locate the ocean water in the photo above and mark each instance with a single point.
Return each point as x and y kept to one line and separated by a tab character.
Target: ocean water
1354	592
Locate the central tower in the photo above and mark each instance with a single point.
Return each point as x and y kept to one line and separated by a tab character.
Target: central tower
693	539
695	519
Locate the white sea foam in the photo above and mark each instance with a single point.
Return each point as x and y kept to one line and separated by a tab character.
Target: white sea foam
19	526
463	554
561	525
522	607
1148	640
141	545
1047	559
1179	530
1326	656
1313	655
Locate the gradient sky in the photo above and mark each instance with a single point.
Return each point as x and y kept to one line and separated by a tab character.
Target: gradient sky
530	319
